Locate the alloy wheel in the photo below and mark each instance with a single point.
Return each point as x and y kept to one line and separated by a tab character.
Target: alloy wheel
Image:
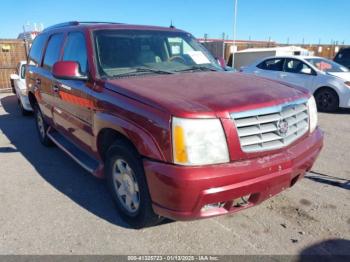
126	186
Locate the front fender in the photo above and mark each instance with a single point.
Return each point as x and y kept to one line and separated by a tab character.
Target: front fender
139	136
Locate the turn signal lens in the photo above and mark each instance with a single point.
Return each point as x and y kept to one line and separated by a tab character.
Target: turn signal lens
179	145
347	83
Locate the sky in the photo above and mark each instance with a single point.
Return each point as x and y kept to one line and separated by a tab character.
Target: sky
296	21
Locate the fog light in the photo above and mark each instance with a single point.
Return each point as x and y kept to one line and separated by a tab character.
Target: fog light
241	202
211	206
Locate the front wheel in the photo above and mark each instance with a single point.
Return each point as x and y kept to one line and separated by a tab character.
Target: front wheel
42	127
127	183
327	100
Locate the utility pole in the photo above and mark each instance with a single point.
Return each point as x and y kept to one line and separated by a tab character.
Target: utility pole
234	32
223	45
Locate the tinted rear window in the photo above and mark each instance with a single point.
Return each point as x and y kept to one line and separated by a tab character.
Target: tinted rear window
275	64
53	50
36	51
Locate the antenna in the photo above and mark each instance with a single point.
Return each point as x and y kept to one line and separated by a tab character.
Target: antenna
171	24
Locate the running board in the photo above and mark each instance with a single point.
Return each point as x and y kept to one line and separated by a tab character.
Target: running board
79	156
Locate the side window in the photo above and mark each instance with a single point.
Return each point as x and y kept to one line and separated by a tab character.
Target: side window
296	66
275	64
75	50
36	51
53	50
23	71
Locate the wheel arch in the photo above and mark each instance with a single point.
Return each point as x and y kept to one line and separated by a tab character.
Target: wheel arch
318	89
106	137
109	128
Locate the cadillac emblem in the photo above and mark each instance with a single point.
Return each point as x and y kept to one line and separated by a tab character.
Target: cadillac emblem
282	127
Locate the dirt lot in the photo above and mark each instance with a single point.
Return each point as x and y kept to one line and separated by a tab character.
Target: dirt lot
49	205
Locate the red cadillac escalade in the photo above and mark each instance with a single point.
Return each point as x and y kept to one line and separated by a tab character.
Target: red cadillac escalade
173	133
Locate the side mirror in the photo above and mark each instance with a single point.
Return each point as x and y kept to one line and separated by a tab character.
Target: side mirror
306	71
68	70
14	76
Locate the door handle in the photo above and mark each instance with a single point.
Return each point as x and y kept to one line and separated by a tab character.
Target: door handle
283	75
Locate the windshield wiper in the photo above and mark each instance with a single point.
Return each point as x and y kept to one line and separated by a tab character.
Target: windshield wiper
197	68
137	70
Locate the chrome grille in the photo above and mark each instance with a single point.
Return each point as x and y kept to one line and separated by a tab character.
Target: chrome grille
261	129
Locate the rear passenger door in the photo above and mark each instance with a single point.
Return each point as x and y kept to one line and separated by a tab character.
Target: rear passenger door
46	79
270	68
34	76
73	111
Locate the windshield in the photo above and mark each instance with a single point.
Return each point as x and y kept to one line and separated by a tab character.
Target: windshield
327	65
134	52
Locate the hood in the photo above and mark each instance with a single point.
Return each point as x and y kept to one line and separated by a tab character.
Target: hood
343	75
204	94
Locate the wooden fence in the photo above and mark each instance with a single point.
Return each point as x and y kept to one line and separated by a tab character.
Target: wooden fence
11	52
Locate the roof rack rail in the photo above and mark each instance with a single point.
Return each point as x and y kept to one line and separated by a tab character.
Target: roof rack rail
61	25
71	23
98	22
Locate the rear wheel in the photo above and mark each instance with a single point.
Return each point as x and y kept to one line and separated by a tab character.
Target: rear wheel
327	100
127	183
42	127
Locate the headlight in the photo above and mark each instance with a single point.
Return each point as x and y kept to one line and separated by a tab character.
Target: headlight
312	114
198	142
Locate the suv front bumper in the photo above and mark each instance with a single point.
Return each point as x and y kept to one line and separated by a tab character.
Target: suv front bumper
183	193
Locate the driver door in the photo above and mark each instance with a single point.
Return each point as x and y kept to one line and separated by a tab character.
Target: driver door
73	111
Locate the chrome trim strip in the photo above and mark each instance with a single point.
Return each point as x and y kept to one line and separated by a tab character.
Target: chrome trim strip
267	110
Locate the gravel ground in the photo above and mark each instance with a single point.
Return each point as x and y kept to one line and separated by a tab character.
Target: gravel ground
50	205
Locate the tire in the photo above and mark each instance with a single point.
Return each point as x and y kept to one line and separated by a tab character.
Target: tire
24	112
126	180
42	127
13	86
327	100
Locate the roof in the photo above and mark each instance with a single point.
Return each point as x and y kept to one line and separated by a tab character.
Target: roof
108	25
291	48
227	41
291	56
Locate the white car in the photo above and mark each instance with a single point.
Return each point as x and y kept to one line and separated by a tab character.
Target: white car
20	88
327	80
